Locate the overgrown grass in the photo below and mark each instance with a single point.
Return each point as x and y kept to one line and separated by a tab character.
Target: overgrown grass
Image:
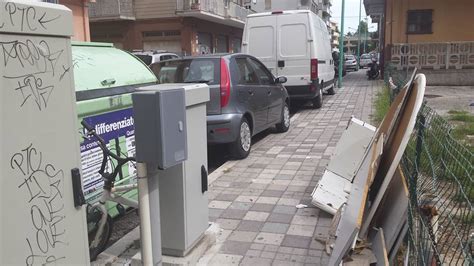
382	104
463	123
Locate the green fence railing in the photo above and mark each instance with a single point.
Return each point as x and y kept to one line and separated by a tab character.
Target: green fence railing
439	172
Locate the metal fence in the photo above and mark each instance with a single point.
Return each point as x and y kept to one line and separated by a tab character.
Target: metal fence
438	169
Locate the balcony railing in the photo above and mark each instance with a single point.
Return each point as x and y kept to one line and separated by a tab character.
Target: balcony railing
235	11
457	55
214	7
103	10
228	11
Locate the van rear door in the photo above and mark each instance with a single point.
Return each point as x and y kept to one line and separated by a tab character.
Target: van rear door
262	33
293	49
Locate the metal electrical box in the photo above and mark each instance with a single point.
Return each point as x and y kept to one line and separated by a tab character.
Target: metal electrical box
160	126
43	220
183	188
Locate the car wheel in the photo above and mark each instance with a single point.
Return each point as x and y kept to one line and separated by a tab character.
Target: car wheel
240	148
318	100
284	125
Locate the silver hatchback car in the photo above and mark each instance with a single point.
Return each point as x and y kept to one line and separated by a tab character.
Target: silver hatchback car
245	98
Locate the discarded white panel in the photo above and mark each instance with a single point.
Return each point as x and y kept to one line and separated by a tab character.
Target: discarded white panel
334	187
351	149
331	192
349	224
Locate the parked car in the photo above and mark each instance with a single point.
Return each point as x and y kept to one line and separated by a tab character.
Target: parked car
350	62
151	57
365	60
245	98
294	44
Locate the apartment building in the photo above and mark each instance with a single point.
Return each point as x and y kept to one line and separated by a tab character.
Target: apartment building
321	7
335	35
188	27
433	35
80	16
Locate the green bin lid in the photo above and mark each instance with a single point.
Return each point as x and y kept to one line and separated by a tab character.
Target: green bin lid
100	65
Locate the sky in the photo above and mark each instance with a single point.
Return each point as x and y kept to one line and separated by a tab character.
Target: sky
351	15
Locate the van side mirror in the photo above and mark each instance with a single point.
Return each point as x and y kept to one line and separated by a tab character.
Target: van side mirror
281	80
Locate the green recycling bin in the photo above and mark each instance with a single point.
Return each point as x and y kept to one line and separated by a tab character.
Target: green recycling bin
104	79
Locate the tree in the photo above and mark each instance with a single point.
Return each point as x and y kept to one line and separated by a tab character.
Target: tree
374	35
363	27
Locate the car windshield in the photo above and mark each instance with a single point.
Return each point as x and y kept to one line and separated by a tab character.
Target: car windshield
350	57
365	56
197	70
145	58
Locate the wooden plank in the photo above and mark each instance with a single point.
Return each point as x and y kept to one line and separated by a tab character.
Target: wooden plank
392	213
379	249
398	243
393	154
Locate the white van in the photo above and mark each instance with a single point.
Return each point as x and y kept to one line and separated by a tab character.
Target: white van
295	44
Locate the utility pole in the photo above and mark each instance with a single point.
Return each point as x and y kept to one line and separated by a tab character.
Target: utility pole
358	42
341	47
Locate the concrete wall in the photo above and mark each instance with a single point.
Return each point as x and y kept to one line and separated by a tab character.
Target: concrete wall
452	21
450	77
80	15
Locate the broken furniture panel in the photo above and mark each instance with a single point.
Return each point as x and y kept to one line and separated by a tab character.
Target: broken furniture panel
331	192
353	213
351	148
398	242
333	189
379	248
392	212
398	140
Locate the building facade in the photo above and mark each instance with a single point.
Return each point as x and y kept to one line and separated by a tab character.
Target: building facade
320	7
80	16
335	35
187	27
430	34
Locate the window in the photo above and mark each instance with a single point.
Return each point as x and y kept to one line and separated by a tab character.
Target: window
166	57
420	21
145	58
264	77
222	44
190	71
247	75
236	45
204	42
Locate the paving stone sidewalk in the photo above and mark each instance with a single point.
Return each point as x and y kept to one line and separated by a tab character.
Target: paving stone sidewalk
254	200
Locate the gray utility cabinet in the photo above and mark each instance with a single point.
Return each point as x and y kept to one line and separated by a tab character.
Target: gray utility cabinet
184	209
43	220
